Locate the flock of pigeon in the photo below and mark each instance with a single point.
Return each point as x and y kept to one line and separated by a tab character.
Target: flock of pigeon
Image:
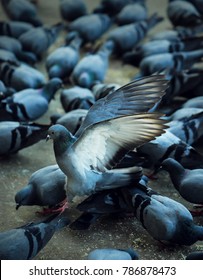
110	134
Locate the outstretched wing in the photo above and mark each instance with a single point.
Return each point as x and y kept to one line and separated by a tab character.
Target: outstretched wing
102	145
136	97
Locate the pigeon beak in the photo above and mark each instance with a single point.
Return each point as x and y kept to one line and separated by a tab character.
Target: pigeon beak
17	206
48	137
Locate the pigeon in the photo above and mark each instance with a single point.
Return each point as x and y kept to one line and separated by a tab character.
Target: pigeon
183	13
127	36
154	47
72	9
93	67
45	187
131	13
29	104
89	27
25	242
21	77
189	130
196	255
138	128
178	33
113	7
76	98
198	4
13	45
169	146
176	62
113	254
45	35
71	120
166	220
14	28
5	91
187	182
61	62
195	102
21	10
15	136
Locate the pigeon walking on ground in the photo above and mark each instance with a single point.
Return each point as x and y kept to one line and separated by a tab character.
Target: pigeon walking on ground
72	9
29	104
113	254
15	136
166	220
89	27
21	77
183	13
46	187
126	37
45	35
93	67
189	183
103	144
25	242
21	10
61	62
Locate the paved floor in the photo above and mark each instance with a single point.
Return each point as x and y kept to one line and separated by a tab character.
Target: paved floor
118	232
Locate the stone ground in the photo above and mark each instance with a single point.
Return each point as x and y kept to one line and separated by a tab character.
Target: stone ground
107	232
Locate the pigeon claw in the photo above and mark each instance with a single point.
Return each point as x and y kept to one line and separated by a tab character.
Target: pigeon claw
60	208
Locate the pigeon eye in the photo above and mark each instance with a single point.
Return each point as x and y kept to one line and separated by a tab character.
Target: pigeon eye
52	132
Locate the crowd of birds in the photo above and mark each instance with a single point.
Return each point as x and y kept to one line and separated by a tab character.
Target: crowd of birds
110	133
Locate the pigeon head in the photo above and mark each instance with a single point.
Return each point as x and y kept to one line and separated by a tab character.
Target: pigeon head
24	197
86	79
62	138
171	165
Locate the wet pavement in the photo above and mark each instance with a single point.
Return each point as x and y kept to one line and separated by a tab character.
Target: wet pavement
117	232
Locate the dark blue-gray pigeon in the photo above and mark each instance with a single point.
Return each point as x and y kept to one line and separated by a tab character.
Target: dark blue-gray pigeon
176	62
25	242
126	37
166	220
113	138
9	57
45	35
113	254
131	13
14	28
15	136
71	120
29	104
61	62
21	77
92	68
45	187
89	27
189	183
177	33
21	10
154	47
183	13
76	98
72	9
13	45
